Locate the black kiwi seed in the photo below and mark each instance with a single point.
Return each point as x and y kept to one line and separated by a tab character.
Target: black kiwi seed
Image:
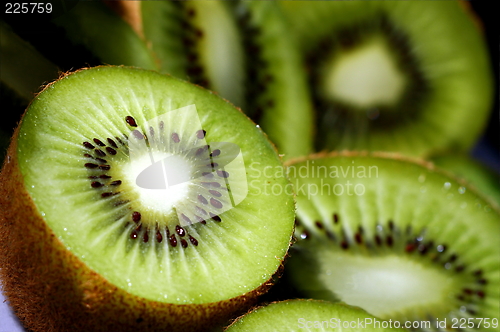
145	237
175	138
184	243
201	134
223	174
98	142
335	218
186	218
137	134
410	247
173	240
86	155
96	184
358	238
215	153
111	151
105	167
100	153
133	235
88	145
179	230
211	184
482	281
202	199
199	210
202	149
90	165
112	143
215	193
215	217
159	237
193	241
136	216
102	161
131	121
215	203
116	183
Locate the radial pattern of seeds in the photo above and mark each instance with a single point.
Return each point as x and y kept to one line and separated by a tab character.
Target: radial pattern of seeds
395	238
399	76
147	182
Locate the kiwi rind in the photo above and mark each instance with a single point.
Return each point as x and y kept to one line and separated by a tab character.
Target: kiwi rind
64	292
417	199
458	97
478	175
300	314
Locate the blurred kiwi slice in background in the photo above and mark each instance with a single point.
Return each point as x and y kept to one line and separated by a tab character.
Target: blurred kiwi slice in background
242	50
405	76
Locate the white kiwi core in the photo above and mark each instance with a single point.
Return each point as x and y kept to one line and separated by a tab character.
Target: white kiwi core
366	76
151	176
386	285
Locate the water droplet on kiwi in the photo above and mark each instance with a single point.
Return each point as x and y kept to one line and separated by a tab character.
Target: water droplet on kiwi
446	186
461	190
421	178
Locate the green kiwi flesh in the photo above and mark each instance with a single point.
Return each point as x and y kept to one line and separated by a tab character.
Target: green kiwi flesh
309	315
406	76
478	175
398	238
242	51
88	244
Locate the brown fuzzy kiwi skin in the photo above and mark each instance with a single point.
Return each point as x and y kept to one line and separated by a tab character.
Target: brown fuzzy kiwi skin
50	289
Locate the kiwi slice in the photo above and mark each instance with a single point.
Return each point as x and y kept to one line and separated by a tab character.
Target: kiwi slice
397	238
310	315
239	49
485	179
405	76
132	200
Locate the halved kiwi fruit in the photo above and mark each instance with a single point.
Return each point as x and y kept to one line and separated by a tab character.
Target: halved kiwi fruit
406	76
396	237
239	49
128	203
310	315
